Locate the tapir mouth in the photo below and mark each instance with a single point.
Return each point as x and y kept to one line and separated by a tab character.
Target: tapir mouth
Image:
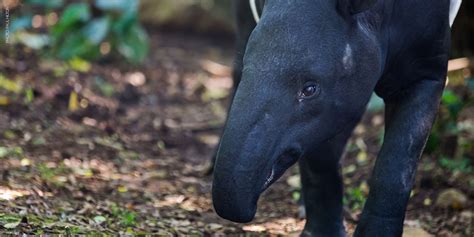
236	192
281	164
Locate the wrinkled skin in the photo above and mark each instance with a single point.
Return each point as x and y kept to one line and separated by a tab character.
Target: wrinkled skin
304	75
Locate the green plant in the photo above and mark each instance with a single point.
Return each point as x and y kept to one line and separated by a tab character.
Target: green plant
461	165
6	152
53	175
87	29
127	218
446	137
354	197
452	136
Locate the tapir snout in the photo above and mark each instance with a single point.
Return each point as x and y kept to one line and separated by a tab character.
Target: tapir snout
235	196
247	166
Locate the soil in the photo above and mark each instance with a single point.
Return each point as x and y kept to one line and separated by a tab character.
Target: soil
118	148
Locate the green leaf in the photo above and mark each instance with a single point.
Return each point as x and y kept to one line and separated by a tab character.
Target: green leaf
134	46
10	85
104	87
462	165
79	65
97	29
29	96
125	23
433	142
38	141
128	218
76	45
453	102
12	225
296	196
100	219
74	13
449	98
3	152
34	41
119	5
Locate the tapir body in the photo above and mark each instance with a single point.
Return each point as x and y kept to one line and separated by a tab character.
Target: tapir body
303	76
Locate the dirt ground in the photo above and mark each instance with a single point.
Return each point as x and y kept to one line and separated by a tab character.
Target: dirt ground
117	148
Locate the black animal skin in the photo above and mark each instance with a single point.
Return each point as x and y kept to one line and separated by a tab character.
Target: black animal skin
304	75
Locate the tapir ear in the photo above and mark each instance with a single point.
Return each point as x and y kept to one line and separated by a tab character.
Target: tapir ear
355	6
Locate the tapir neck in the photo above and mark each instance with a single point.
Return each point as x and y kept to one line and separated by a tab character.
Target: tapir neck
301	10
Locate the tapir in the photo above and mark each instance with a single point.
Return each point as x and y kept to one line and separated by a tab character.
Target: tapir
304	73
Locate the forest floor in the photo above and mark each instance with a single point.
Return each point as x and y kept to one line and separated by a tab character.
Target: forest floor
115	148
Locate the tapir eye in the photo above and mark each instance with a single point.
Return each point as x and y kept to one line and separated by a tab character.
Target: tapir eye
308	91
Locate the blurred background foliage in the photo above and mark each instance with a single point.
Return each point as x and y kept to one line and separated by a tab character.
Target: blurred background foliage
204	16
81	31
91	29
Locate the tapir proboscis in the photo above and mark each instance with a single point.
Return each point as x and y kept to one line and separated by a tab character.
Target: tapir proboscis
303	77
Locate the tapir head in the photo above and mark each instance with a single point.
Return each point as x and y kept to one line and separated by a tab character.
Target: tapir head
309	69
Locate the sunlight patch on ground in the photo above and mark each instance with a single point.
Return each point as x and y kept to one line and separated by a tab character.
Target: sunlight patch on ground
171	200
9	194
282	226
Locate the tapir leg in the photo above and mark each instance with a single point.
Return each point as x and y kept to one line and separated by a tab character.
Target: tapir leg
245	24
322	188
409	119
